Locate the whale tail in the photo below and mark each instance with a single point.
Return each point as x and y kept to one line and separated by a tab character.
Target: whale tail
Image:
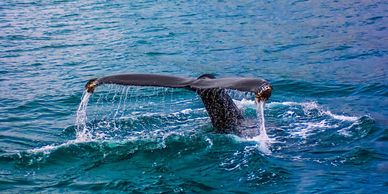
224	114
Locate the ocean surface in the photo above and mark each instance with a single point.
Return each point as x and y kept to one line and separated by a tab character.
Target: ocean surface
326	121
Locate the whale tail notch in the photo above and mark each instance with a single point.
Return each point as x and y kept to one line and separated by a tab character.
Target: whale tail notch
207	76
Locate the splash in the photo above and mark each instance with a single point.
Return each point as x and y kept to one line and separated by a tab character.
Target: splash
83	133
113	118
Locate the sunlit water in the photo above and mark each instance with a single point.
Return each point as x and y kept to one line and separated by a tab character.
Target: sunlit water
325	123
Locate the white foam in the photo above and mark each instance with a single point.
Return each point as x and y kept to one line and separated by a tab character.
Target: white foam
309	106
184	111
209	141
346	131
187	111
306	105
263	143
45	149
341	117
244	103
49	148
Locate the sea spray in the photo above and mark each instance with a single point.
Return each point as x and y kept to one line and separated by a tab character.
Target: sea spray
83	133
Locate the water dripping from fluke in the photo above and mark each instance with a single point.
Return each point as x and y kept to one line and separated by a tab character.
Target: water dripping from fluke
108	124
262	138
82	132
86	133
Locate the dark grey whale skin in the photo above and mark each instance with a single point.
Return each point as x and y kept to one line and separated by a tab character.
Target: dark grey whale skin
224	114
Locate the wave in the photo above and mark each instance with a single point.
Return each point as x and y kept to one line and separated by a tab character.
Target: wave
112	150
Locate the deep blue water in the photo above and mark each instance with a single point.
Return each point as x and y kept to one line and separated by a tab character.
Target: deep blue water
327	118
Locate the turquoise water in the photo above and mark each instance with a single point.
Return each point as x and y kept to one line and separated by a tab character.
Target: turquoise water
326	120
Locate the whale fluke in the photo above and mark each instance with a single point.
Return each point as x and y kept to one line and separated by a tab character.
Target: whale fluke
224	114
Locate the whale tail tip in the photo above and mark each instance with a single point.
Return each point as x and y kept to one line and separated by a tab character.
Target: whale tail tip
264	93
91	85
